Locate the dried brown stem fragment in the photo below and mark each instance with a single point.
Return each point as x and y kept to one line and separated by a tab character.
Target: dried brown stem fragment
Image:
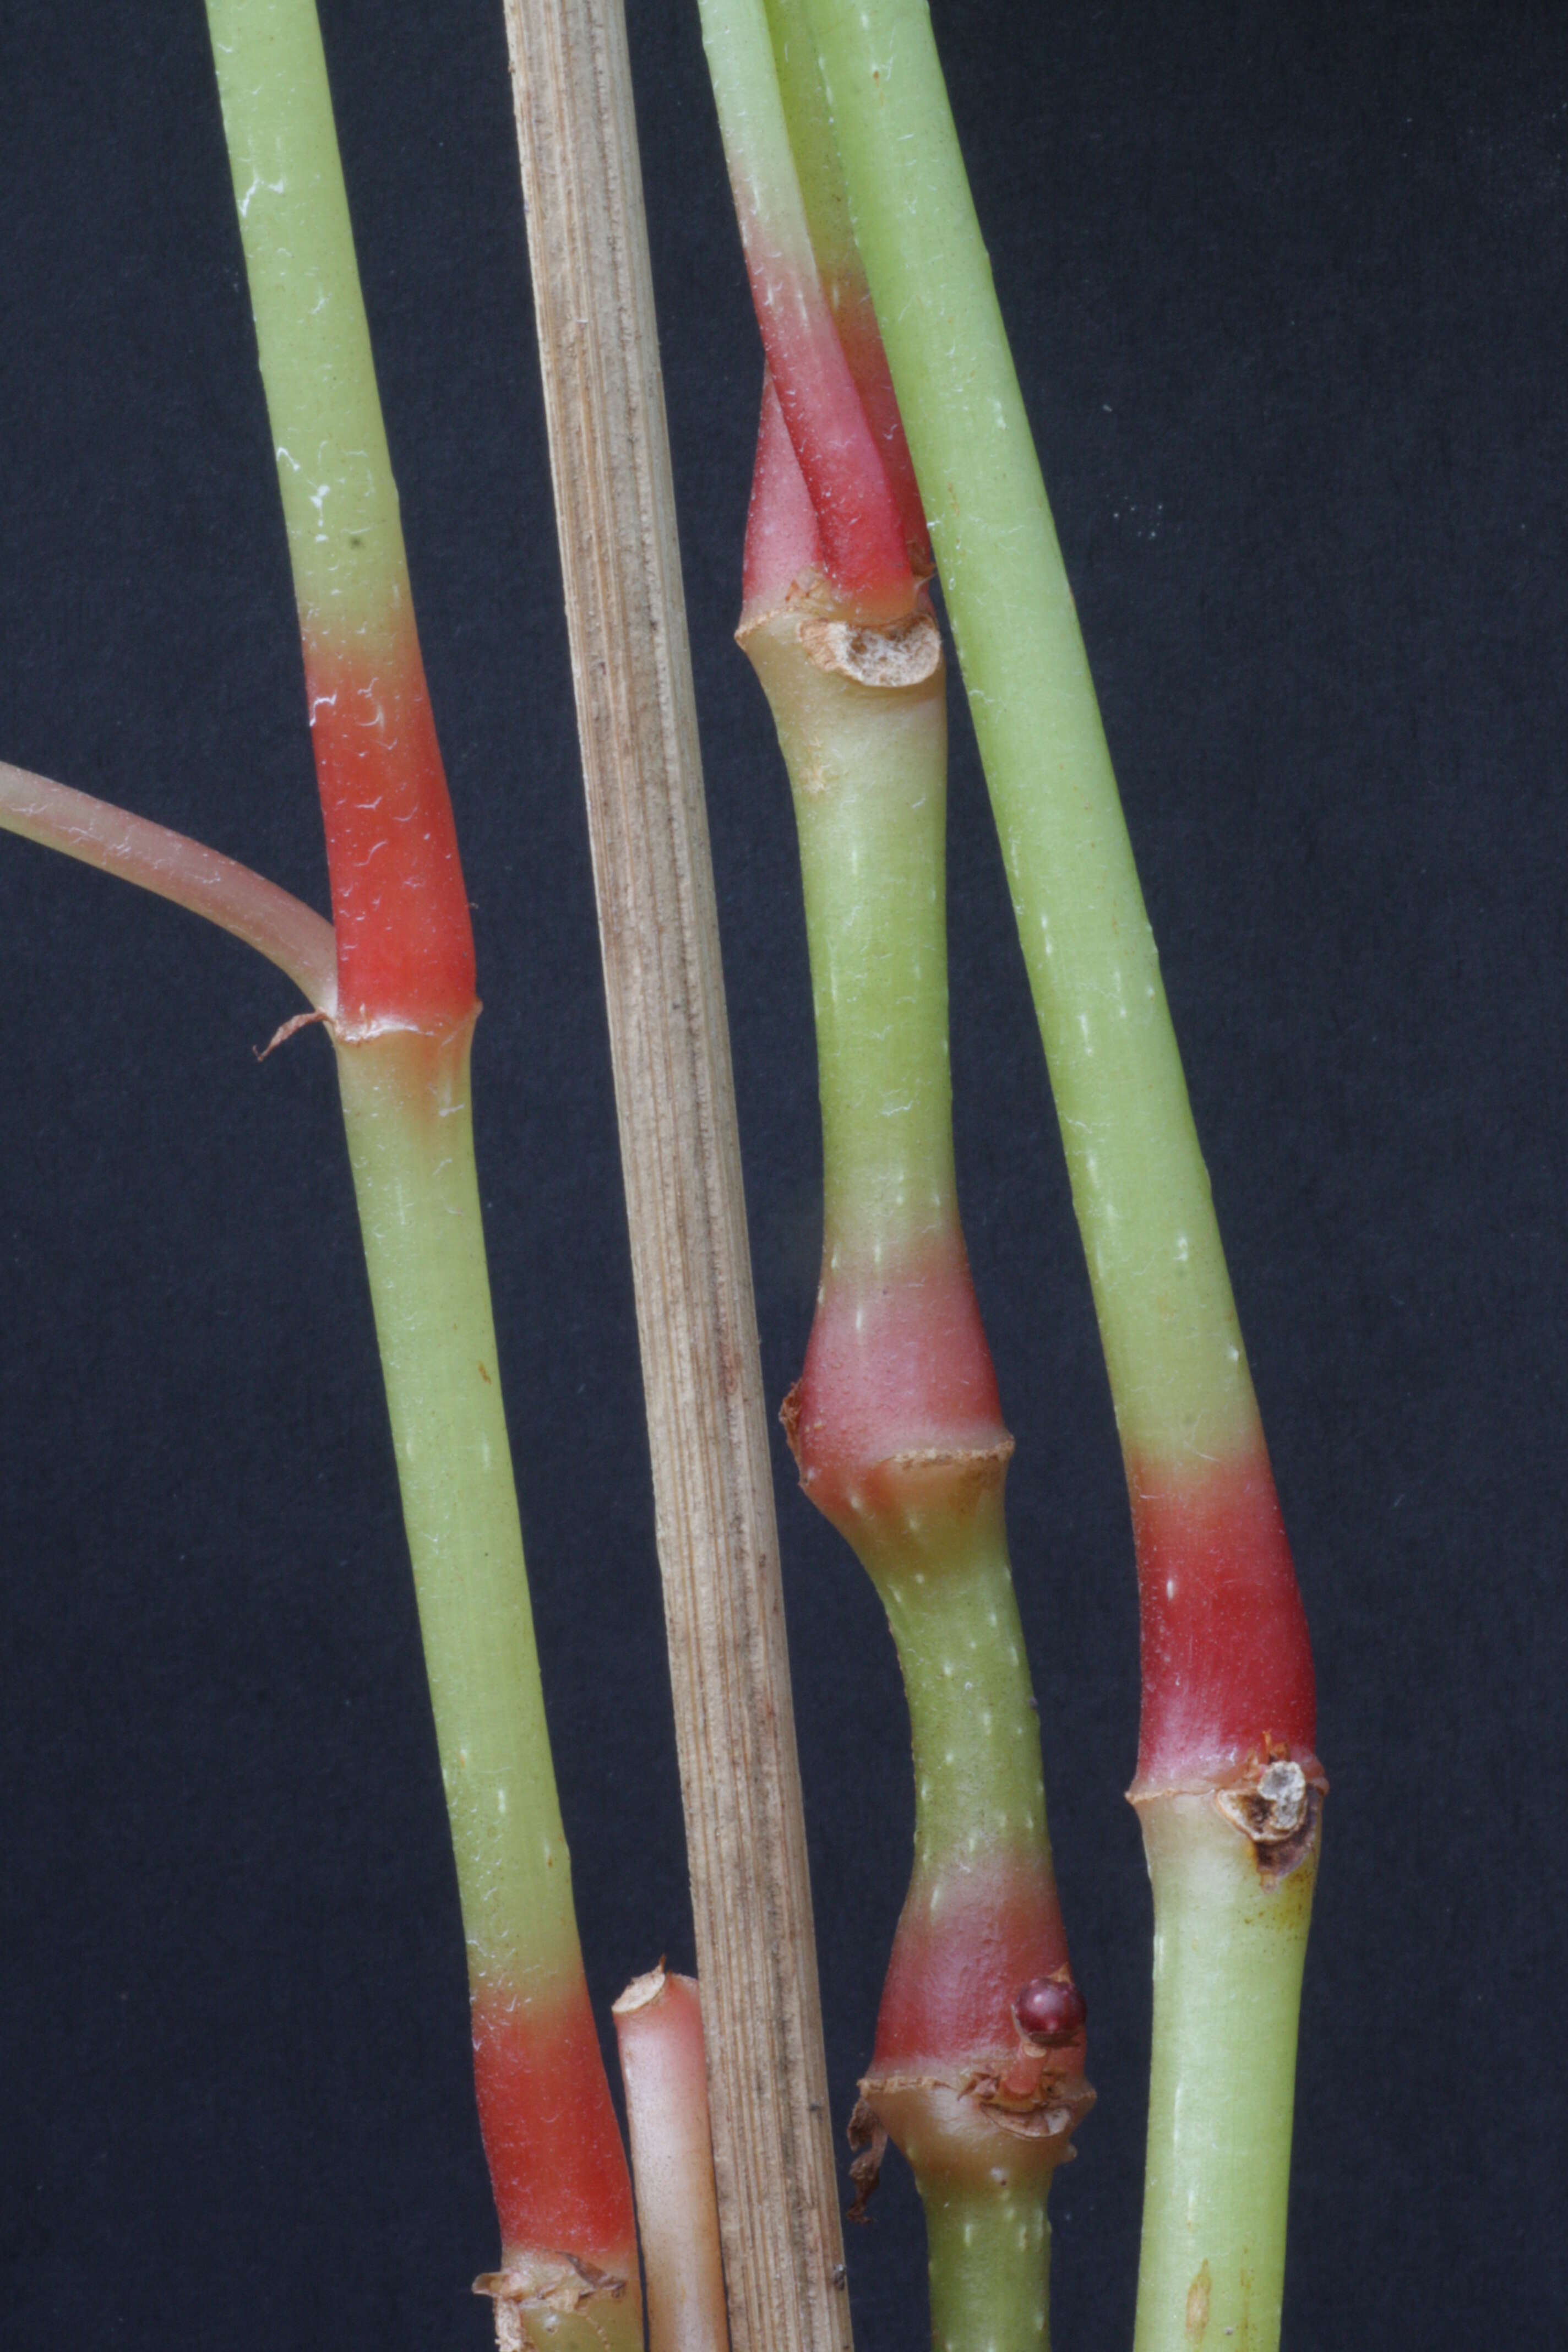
680	1152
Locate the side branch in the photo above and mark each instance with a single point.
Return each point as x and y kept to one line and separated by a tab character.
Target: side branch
286	932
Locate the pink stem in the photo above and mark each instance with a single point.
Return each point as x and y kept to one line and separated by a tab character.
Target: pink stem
658	2028
287	932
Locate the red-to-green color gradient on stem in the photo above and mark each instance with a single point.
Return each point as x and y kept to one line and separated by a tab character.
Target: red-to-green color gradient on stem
530	2061
825	356
550	2134
896	1421
403	1024
898	1428
1213	1552
1228	1668
405	944
1228	1784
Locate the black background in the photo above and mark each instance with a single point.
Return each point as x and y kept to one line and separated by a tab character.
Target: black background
1286	282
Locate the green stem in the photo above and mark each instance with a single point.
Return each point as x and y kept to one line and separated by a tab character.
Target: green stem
990	2267
1228	1950
400	910
410	1135
402	1022
979	1787
1227	1672
867	768
1172	1346
556	2162
899	1433
339	503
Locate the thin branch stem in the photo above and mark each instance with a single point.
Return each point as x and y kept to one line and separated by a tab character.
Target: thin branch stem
283	929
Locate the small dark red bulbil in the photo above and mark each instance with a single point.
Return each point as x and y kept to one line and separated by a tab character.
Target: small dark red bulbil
1050	2010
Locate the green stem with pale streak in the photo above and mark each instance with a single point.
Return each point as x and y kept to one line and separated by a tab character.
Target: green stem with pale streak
403	1024
1174	1350
867	769
405	1095
340	502
987	2244
409	1119
1228	1950
900	1443
1179	1378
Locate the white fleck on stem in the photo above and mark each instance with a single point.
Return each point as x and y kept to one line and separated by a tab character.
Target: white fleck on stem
658	2028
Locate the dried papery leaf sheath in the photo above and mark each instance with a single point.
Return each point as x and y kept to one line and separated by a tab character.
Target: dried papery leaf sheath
402	1026
751	1896
1227	1671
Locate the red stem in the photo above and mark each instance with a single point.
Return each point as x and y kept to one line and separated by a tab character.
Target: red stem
837	407
1228	1663
783	544
406	945
953	1981
556	2163
896	1368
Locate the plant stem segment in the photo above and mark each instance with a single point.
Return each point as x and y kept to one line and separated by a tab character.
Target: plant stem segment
659	2032
1228	1681
717	1540
984	2242
555	2158
1229	1940
896	1421
825	203
404	1022
854	461
405	944
898	1429
289	934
